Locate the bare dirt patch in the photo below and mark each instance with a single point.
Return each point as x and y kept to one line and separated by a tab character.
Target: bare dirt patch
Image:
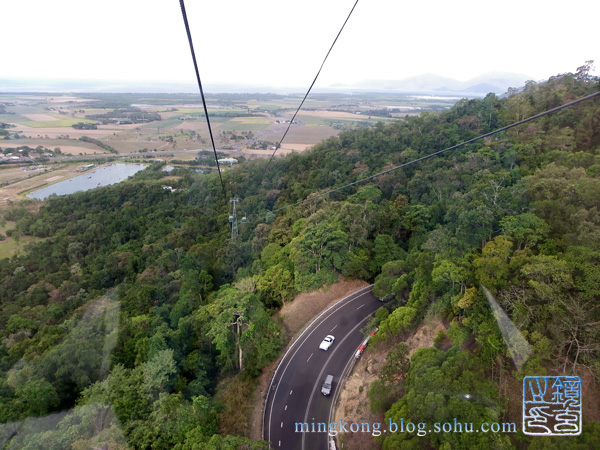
58	132
294	147
425	335
12	174
191	125
115	127
304	134
40	117
294	317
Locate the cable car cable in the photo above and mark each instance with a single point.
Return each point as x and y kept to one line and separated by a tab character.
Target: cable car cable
212	140
309	89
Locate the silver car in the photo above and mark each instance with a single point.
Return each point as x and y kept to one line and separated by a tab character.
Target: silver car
326	389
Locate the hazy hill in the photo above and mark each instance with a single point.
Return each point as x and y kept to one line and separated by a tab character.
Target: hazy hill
497	83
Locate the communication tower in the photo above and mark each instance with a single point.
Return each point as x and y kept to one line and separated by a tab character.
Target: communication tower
233	218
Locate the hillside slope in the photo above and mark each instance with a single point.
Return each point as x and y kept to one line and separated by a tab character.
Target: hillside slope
517	213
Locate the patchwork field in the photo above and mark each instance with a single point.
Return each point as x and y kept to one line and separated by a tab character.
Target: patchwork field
41	117
173	125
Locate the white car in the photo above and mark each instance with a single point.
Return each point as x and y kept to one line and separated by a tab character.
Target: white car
327	342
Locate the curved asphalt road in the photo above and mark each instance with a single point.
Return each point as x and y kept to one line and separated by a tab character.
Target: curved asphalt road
295	394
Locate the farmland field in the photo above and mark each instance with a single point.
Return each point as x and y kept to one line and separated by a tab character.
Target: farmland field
53	122
41	146
131	124
245	124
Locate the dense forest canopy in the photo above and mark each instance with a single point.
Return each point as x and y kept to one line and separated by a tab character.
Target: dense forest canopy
137	301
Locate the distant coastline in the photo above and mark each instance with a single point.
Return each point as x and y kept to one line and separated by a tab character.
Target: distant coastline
427	84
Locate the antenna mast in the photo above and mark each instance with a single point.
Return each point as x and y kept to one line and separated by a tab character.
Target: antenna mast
233	219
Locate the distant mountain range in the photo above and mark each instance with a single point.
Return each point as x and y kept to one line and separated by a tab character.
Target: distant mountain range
428	84
497	82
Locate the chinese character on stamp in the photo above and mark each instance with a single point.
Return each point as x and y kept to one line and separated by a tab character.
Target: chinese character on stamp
552	405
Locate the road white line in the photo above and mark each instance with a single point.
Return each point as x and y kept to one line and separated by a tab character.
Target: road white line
319	377
281	425
333	328
280	443
295	347
285	409
360	306
309	357
291	391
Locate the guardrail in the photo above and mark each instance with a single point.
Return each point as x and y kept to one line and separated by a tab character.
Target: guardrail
347	371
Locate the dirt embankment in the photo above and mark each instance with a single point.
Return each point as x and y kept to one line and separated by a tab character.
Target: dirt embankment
353	401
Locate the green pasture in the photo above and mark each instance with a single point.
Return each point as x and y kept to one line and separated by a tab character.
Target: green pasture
10	246
218	111
245	124
14	118
50	144
261	106
60	123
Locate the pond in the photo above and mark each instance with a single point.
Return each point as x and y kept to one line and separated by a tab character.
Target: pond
92	178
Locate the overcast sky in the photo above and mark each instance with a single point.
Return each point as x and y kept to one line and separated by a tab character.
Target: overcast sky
281	43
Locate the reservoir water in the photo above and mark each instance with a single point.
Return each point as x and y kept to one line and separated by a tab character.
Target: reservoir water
93	178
